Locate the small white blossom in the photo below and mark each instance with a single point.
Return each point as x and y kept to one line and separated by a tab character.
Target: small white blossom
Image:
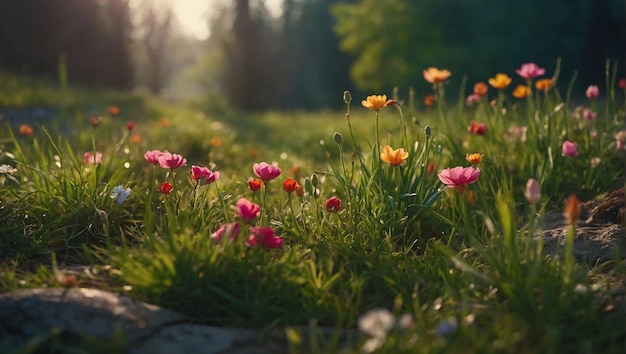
7	170
121	194
377	322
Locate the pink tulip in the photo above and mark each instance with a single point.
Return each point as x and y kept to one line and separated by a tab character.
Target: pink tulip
266	171
472	99
203	174
92	158
458	177
247	210
152	156
530	71
570	149
171	161
592	92
532	191
228	230
264	236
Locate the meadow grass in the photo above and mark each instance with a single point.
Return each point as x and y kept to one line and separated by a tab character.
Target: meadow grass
377	243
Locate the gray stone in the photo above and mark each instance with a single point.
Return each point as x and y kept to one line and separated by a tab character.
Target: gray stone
592	244
48	318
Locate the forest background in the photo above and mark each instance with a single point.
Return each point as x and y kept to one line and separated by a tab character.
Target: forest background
304	55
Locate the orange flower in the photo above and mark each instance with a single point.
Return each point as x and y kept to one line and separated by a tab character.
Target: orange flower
255	184
431	167
114	110
474	158
290	185
429	100
481	89
436	76
216	142
27	131
135	138
376	102
393	157
544	84
572	210
165	122
522	91
501	81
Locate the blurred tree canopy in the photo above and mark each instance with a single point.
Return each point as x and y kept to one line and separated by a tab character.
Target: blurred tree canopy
92	35
393	42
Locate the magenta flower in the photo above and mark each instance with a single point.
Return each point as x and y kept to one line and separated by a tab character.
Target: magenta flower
203	174
532	191
229	230
570	149
152	156
265	237
530	71
592	92
172	161
458	177
92	158
247	210
266	171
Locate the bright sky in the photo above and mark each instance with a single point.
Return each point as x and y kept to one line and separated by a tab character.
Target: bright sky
192	15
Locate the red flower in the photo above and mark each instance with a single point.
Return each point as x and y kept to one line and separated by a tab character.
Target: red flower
165	188
130	125
26	130
477	128
255	184
290	185
299	191
333	204
622	83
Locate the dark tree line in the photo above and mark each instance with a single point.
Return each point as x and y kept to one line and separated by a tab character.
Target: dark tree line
92	35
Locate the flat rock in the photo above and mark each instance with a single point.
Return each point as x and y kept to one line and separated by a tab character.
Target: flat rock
67	320
592	243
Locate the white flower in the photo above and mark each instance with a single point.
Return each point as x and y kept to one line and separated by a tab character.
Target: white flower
120	193
377	322
7	170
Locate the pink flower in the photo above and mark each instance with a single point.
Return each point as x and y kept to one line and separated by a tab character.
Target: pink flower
530	71
532	191
264	236
229	230
471	99
172	161
203	174
458	177
622	83
477	128
333	204
91	158
589	114
247	210
266	171
570	149
592	92
152	156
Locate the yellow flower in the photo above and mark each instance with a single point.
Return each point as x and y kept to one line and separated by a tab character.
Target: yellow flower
474	158
544	84
393	157
435	76
501	81
522	91
376	102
